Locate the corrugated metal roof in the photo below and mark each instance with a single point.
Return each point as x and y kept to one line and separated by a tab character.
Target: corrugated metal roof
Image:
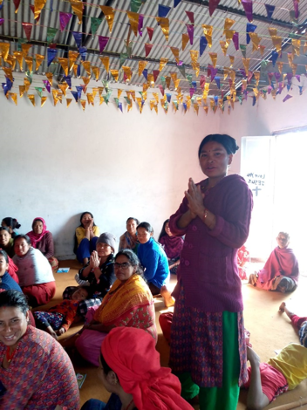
12	31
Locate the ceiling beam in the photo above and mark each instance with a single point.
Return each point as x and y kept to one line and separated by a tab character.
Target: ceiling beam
238	12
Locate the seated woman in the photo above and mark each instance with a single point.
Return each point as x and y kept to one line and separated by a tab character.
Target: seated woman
11	224
172	246
98	273
268	380
129	239
154	260
85	238
128	303
34	272
6	241
42	239
35	370
281	271
6	281
131	371
58	319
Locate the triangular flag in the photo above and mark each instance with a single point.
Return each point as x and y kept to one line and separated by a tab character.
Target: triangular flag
164	24
64	19
102	43
185	39
51	32
78	38
95	23
27	29
248	8
163	10
38	7
148	48
77	7
150	31
51	54
106	62
213	5
109	14
134	21
16	4
190	14
202	44
270	10
190	28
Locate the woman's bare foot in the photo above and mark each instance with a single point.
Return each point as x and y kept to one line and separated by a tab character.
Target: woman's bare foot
282	307
166	294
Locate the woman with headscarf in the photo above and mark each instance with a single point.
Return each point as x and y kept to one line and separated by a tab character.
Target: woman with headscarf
42	239
131	371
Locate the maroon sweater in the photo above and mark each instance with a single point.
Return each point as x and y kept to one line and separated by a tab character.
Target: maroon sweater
46	245
208	268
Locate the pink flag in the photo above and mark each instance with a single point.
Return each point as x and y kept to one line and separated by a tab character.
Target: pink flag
102	42
47	85
213	5
64	19
202	81
148	48
161	89
150	31
235	40
190	28
190	14
27	28
287	97
156	74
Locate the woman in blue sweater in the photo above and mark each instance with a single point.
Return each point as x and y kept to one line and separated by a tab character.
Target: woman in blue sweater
154	262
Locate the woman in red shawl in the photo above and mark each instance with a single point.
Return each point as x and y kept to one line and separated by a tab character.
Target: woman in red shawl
131	371
281	270
43	240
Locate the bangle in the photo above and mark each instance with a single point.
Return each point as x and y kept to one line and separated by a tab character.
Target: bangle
205	213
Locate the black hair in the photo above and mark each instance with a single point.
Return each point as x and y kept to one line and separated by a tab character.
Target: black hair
13	298
131	217
105	367
133	259
146	226
4	254
163	232
25	237
4	228
11	222
89	289
228	142
35	220
82	215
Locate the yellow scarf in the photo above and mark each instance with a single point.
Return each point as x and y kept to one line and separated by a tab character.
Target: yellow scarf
121	298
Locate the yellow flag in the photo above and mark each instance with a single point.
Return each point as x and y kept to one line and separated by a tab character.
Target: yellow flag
43	100
29	61
72	56
273	31
87	67
228	23
90	98
255	40
277	43
164	24
63	87
14	97
38	7
119	92
232	59
32	99
86	80
8	72
83	104
196	107
257	77
109	14
196	68
68	102
25	49
77	7
213	57
134	21
194	55
246	64
142	65
106	62
5	48
96	72
115	74
11	60
22	90
163	62
224	45
175	51
64	64
19	58
280	65
208	33
49	78
296	44
39	59
128	72
55	97
226	72
185	39
229	35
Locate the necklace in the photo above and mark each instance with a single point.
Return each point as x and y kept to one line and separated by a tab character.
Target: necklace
129	405
9	356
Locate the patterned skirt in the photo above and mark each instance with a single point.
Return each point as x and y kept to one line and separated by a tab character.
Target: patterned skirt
197	344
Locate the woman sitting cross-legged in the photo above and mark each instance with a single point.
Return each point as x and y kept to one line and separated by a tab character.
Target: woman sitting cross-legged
85	237
172	246
280	271
131	371
43	240
128	303
35	370
129	239
34	272
154	260
98	273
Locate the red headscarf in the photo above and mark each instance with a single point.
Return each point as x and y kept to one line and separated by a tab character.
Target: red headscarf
131	354
37	237
12	269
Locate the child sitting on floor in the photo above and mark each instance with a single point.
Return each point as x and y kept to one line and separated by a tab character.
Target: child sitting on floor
58	319
283	372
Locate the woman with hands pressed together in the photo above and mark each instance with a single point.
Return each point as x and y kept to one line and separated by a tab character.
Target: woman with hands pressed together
86	236
207	340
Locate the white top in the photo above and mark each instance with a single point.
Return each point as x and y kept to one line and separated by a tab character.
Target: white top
33	268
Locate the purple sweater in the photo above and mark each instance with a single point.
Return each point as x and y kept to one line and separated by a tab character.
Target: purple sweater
208	268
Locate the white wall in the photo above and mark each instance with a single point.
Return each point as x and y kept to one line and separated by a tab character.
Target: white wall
57	162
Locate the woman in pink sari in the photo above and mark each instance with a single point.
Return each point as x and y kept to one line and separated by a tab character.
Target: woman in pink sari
281	270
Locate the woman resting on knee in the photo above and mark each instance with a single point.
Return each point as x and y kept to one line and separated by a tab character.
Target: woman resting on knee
42	239
281	270
85	238
6	241
129	239
154	261
98	273
35	370
34	272
172	246
12	224
128	303
131	371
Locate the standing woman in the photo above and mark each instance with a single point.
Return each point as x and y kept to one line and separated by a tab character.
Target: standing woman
11	224
208	351
42	239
